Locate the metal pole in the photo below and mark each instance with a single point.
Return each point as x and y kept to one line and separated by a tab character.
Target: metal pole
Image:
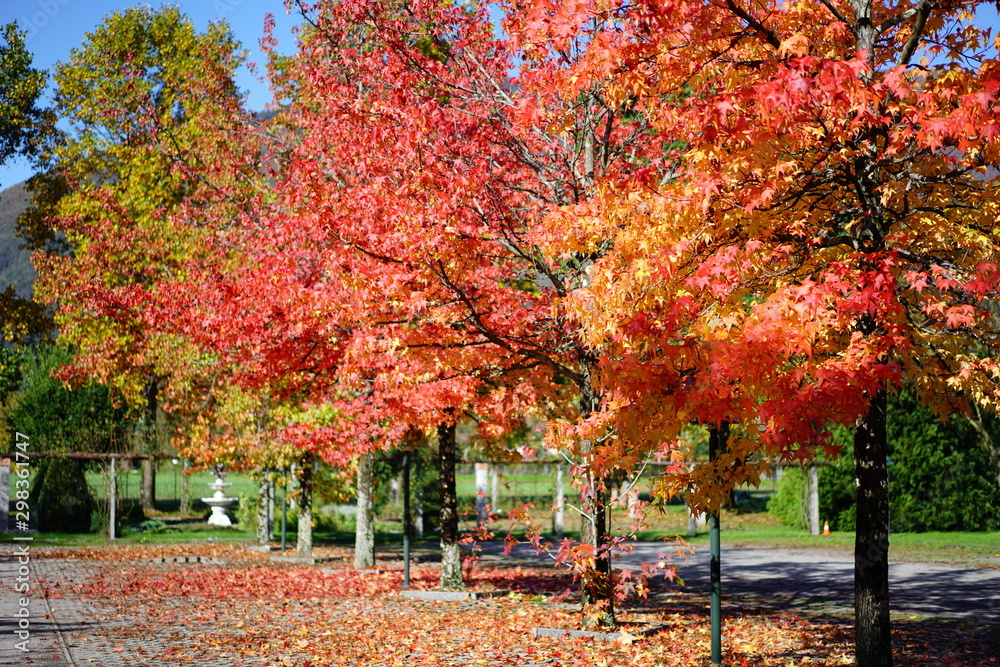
284	511
406	520
558	515
716	574
716	442
113	500
814	500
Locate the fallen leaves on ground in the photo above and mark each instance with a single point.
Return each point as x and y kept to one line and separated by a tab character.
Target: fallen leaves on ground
250	612
145	552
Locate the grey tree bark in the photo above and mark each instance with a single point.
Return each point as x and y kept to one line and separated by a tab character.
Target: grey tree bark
364	534
304	544
265	498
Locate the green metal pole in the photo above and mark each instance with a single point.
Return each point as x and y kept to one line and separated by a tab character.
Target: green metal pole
284	512
716	576
406	520
717	440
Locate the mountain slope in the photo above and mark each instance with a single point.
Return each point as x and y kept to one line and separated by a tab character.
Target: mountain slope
15	263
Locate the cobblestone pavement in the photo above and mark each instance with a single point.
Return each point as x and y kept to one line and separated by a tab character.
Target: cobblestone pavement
61	631
28	633
67	631
72	631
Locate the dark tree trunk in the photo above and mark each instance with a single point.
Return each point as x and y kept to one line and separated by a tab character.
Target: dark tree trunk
147	494
451	558
872	636
596	588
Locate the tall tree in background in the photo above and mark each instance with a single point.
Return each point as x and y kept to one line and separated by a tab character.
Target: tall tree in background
22	126
21	120
128	96
823	230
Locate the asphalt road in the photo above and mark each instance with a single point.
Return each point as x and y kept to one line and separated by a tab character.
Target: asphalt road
815	576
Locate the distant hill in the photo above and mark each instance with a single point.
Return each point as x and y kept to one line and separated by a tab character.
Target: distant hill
15	264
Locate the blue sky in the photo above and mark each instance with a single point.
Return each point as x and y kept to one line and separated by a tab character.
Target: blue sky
55	27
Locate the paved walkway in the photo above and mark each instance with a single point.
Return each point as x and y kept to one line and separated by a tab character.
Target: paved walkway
28	633
69	631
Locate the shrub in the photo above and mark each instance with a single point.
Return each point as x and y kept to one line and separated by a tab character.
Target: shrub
65	504
152	526
789	503
940	479
246	511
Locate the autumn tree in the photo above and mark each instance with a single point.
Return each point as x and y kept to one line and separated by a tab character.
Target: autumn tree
134	93
820	231
416	157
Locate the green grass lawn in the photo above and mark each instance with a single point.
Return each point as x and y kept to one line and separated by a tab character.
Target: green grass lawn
169	480
748	526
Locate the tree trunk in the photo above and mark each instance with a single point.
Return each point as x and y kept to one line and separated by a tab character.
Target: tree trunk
185	490
304	545
596	586
451	557
872	635
265	496
418	503
364	534
147	495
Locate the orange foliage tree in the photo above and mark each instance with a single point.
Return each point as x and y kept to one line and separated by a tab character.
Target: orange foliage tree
819	228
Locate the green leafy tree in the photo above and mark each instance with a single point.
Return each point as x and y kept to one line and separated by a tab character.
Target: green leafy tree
22	125
60	418
20	86
939	477
64	502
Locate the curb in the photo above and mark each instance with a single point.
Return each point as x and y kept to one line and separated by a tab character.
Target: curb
558	633
453	596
